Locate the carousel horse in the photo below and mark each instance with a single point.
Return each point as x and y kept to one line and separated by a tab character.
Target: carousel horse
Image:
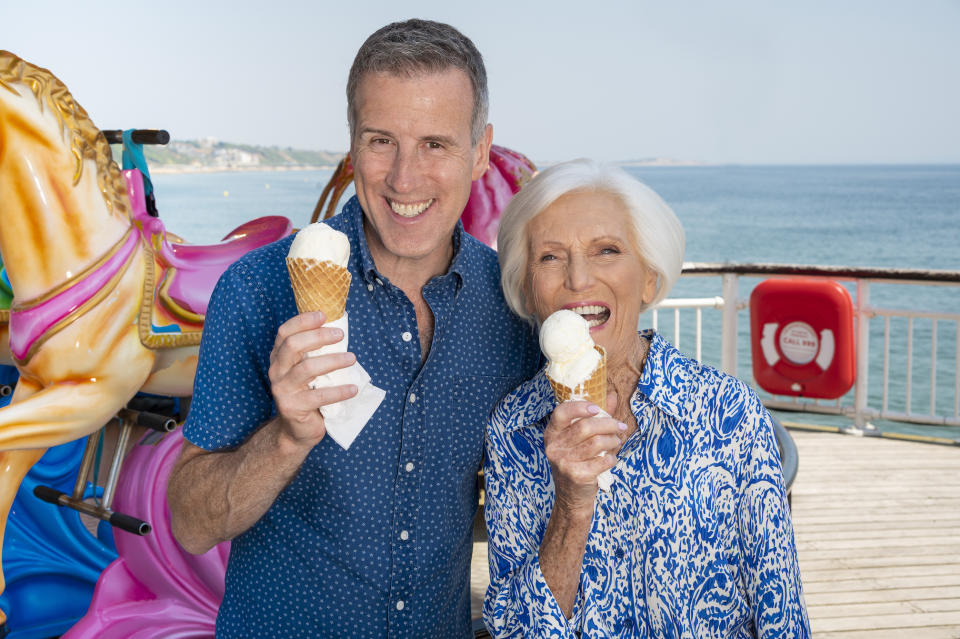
105	304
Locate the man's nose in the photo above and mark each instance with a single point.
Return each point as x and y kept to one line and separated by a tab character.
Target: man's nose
579	273
403	172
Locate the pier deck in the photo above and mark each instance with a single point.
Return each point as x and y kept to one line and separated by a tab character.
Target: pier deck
878	536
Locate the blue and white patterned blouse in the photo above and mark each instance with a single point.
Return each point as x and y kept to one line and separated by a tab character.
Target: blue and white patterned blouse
694	538
374	541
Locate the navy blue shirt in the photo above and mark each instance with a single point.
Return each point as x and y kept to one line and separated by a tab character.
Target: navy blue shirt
374	541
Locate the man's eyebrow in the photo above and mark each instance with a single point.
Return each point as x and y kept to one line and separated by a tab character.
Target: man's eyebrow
371	131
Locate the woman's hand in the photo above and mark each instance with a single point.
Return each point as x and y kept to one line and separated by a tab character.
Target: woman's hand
300	421
581	443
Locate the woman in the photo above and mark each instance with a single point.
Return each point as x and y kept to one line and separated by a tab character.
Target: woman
693	539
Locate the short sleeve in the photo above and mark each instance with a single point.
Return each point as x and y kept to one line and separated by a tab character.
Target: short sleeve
231	392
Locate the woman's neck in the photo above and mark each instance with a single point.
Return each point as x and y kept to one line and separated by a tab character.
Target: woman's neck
623	378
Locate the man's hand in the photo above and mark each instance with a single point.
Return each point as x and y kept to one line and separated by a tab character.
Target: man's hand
300	421
581	443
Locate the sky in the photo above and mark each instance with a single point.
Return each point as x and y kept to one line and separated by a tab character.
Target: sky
739	81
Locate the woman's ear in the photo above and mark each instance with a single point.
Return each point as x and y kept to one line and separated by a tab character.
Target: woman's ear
649	290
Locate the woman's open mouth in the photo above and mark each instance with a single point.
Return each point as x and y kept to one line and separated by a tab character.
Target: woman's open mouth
595	314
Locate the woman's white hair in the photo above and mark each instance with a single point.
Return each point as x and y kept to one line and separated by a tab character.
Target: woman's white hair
657	233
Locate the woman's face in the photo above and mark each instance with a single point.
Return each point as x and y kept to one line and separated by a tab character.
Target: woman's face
583	258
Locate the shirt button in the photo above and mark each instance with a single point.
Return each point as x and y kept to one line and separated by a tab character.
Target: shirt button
406	336
369	287
409	466
413	397
400	605
404	535
380	282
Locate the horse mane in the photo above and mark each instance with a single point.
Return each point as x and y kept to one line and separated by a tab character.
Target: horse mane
85	139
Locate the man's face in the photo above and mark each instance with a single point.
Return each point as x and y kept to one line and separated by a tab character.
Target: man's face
413	162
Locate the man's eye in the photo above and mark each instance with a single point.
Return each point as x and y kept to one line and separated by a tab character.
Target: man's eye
434	145
379	141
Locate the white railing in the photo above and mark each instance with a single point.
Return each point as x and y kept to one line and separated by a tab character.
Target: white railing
895	398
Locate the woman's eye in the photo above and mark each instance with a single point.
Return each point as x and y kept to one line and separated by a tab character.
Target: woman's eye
609	250
549	257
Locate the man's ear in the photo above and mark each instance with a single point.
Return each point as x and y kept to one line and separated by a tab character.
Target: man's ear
481	157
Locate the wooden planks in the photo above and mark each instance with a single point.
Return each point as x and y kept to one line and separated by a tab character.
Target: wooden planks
878	537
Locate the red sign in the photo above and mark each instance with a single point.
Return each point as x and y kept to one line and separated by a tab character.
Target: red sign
802	337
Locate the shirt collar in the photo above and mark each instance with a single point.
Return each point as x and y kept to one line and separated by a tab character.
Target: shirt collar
665	381
366	265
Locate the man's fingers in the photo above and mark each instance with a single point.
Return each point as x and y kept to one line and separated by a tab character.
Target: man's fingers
299	323
331	394
290	349
309	367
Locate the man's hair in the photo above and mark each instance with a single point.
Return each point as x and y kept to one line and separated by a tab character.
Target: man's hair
414	47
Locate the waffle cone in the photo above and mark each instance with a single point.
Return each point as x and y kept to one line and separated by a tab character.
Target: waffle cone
594	389
319	286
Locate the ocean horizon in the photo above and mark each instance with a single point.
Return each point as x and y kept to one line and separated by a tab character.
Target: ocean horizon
892	216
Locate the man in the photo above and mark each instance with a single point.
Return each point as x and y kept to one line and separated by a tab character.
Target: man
373	541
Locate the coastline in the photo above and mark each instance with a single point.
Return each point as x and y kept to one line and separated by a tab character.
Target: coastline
190	168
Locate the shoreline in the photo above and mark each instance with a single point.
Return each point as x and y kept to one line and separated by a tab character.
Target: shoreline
173	169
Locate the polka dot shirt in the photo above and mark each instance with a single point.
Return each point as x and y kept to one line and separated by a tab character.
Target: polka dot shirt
374	541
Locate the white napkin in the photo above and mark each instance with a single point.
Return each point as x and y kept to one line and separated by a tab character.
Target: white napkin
344	420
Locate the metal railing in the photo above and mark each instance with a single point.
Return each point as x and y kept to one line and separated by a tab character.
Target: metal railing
895	398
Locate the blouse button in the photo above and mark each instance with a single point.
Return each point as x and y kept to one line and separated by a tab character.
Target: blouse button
400	605
369	287
404	535
408	467
406	336
413	397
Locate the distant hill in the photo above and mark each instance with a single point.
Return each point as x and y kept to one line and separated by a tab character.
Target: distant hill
210	154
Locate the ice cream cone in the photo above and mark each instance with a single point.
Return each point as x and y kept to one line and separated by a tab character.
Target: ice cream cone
593	389
319	286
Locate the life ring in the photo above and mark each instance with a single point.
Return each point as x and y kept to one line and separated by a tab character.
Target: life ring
802	337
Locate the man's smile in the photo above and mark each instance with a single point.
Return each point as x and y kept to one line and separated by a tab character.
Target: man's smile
412	209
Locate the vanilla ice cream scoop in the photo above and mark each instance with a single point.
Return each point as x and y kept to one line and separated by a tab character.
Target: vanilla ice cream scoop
565	340
320	242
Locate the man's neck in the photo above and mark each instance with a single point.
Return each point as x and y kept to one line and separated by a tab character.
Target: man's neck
406	273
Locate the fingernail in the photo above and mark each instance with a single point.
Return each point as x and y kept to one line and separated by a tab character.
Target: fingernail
338	333
353	389
621	426
593	410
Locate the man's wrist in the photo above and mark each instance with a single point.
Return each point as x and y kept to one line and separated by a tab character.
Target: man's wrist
286	445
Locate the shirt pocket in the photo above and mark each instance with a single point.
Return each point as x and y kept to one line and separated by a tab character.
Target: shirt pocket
472	401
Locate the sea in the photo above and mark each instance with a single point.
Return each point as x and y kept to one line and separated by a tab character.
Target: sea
866	216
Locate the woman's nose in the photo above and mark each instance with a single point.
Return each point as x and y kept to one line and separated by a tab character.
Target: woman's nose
579	274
